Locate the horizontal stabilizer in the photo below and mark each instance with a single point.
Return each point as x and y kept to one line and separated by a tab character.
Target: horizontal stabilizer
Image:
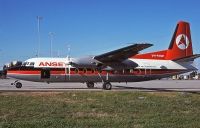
188	58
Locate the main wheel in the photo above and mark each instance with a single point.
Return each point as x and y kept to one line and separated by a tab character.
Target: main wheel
107	86
18	85
90	84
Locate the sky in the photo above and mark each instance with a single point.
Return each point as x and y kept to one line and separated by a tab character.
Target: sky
91	27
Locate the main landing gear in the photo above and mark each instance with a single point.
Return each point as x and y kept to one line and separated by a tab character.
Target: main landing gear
106	85
17	84
90	84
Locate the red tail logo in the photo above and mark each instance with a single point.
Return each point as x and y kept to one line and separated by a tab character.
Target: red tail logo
182	41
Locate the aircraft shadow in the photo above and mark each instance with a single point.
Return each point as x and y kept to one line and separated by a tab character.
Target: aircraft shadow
162	89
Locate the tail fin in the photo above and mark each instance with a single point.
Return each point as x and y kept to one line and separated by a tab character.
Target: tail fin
181	43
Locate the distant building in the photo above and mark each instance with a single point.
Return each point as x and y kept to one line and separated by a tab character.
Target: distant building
187	76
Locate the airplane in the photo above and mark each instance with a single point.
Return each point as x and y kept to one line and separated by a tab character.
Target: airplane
122	65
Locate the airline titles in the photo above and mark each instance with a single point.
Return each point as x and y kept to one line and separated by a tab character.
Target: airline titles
51	64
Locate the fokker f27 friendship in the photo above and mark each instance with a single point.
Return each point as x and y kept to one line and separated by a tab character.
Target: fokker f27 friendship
121	65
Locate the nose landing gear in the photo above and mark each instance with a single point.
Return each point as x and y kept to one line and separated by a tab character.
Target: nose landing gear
17	84
90	84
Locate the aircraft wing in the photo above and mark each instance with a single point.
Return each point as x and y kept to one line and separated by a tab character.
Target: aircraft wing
121	54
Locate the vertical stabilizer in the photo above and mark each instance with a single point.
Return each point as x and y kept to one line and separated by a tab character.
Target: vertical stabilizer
181	43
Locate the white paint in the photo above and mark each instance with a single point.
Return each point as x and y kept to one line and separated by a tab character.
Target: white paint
157	64
37	62
143	63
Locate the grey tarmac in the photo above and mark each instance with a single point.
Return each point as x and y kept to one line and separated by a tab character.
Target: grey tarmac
155	85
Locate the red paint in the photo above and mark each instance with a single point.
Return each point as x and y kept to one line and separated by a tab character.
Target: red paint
51	64
159	55
23	72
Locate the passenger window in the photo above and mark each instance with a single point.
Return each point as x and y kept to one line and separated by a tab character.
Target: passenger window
115	72
84	70
92	71
24	63
76	70
67	70
100	71
80	69
131	70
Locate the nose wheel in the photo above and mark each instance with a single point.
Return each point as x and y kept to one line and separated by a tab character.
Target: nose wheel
17	84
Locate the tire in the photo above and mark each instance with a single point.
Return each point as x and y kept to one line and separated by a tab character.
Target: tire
90	84
18	85
107	86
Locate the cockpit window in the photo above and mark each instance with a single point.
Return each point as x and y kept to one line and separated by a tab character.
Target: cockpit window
32	64
28	63
24	63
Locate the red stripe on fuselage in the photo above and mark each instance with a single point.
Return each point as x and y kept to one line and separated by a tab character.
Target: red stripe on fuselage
121	72
23	72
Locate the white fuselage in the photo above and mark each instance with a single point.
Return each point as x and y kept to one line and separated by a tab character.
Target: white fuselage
60	70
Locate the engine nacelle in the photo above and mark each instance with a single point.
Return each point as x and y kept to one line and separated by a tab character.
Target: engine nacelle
85	62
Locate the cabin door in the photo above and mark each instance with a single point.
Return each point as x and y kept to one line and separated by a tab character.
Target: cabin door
45	74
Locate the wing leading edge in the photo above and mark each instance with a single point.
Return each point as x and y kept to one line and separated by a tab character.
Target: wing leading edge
121	54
